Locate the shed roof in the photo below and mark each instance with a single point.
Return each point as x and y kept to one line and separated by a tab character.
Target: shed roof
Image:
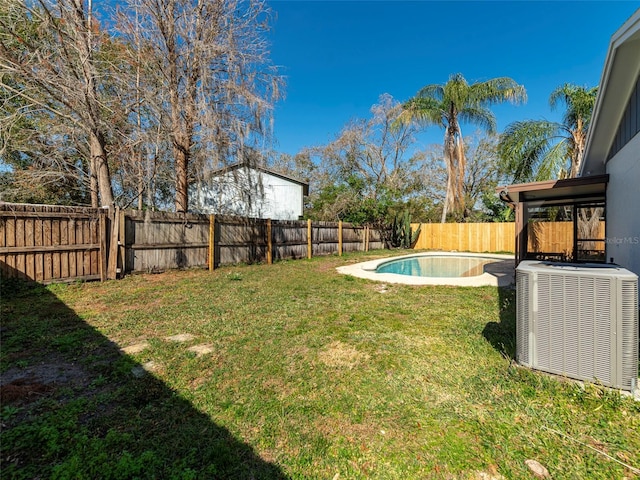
238	165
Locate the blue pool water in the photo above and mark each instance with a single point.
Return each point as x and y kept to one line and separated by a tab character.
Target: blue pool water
437	266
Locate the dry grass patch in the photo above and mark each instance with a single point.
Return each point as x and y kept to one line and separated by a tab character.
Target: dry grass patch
341	355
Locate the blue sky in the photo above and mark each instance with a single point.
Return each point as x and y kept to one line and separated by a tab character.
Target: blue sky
338	57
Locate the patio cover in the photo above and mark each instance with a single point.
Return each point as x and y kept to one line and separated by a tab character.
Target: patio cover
565	191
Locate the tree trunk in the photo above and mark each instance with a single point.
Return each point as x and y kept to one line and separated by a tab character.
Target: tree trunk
99	162
461	163
579	141
450	162
589	225
182	162
140	178
93	184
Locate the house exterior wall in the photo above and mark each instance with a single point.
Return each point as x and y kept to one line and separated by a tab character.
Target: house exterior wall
623	199
251	193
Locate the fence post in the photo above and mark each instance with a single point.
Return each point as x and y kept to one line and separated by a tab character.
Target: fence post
366	238
122	242
309	244
212	241
269	243
113	247
340	237
103	245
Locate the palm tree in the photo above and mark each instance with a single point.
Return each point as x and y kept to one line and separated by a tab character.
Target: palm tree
454	102
535	150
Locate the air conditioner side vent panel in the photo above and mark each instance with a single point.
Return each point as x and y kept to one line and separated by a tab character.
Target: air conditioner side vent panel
578	322
522	318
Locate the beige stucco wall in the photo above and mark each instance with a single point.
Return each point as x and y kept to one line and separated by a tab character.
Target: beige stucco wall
623	207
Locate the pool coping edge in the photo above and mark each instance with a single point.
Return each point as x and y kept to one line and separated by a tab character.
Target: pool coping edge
367	271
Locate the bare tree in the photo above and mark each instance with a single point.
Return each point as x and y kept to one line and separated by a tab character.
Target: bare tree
47	59
209	80
298	166
368	167
45	161
374	150
483	171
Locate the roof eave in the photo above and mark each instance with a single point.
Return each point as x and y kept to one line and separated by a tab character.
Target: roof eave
237	165
552	189
618	78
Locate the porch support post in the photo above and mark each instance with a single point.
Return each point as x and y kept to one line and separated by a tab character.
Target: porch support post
521	233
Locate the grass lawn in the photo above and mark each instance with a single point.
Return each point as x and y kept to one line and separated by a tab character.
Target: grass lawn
299	373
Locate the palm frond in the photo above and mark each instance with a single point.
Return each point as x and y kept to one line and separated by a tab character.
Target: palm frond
497	90
480	116
425	111
456	91
553	162
524	148
435	92
578	101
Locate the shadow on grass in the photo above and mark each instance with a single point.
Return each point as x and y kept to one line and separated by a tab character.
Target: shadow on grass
502	334
73	408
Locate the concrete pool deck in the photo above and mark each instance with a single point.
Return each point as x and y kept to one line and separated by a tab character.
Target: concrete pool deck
496	274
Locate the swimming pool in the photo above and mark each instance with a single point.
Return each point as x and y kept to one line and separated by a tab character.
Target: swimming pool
438	268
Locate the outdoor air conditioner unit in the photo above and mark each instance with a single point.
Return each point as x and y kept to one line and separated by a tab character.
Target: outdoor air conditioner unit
579	321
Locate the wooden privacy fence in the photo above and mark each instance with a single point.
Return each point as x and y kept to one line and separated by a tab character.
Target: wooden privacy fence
155	241
558	236
466	237
499	237
55	243
159	241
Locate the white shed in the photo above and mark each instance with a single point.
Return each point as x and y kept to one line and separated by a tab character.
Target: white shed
251	191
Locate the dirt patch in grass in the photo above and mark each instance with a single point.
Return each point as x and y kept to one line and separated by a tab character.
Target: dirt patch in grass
280	387
54	370
23	391
202	349
135	348
180	338
20	386
355	433
379	287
